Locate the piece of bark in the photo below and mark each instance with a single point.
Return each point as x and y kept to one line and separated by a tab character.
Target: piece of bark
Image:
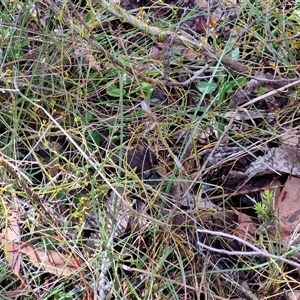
284	159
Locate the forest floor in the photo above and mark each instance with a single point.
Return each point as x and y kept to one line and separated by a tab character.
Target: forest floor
150	149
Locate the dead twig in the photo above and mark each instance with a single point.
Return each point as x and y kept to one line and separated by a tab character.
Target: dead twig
190	80
256	251
273	92
171	37
165	35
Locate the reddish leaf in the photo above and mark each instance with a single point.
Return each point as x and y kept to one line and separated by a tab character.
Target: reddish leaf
287	207
11	241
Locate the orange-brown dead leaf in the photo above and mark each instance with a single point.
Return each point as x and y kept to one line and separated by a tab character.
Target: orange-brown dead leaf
293	295
245	228
10	241
290	136
287	207
203	23
50	260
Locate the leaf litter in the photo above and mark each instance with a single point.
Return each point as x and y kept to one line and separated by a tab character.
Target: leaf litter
189	164
47	260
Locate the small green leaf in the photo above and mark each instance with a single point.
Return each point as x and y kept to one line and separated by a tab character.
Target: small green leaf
235	53
206	87
88	17
61	195
230	85
95	138
89	116
63	296
113	91
145	87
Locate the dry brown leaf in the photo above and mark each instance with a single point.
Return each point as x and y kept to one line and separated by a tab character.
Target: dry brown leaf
294	295
139	221
284	159
156	52
10	241
16	294
290	137
50	260
181	195
287	207
245	228
117	214
83	52
121	217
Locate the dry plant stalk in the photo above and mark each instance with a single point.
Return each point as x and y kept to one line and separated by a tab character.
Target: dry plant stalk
165	35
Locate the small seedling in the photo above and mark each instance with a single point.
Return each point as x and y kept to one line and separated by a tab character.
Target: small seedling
264	209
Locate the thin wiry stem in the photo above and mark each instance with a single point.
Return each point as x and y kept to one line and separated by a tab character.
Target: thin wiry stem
256	251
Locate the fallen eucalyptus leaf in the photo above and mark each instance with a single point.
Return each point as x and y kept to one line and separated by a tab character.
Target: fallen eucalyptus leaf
11	240
50	260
